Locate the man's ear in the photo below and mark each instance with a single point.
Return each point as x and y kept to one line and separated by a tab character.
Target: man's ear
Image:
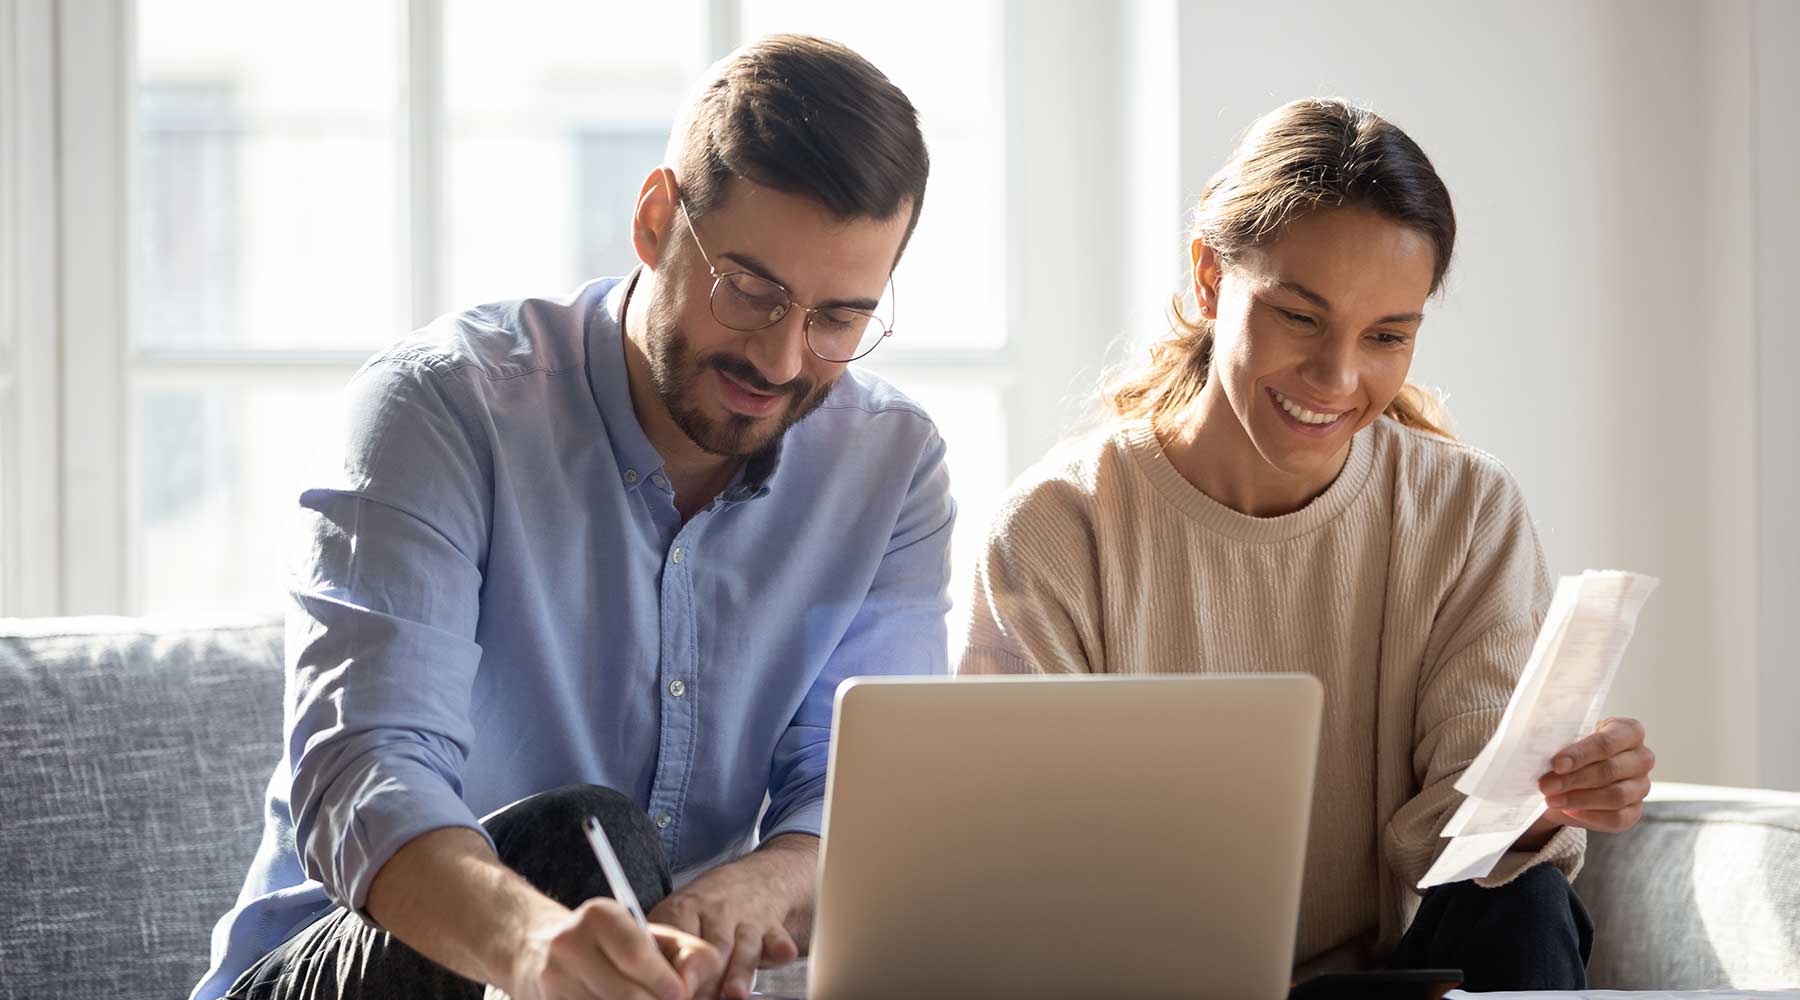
653	218
1206	278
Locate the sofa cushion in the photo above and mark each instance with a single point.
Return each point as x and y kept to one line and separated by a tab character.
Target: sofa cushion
135	754
1704	893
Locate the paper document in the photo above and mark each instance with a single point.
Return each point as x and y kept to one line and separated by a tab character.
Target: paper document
1558	701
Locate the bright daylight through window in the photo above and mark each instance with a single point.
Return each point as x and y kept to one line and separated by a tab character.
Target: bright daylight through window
290	159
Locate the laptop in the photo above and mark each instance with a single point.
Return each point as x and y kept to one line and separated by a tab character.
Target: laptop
1065	836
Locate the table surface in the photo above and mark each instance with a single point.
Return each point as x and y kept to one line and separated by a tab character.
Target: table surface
1630	994
790	984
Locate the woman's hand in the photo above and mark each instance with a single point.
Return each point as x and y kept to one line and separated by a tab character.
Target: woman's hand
1599	783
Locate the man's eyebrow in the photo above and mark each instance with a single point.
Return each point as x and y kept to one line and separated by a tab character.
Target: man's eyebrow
761	270
1324	303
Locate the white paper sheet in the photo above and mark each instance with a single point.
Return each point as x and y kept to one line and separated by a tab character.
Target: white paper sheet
1558	700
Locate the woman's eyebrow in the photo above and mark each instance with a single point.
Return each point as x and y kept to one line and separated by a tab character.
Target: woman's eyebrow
1306	293
1324	303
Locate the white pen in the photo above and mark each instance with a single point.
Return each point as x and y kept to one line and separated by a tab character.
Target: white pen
614	872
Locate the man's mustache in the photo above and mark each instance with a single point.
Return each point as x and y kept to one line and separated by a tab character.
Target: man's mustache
745	372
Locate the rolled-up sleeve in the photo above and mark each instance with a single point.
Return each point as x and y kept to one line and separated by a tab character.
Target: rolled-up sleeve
899	629
381	654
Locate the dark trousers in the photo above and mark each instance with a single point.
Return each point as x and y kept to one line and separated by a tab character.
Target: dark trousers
1530	934
342	958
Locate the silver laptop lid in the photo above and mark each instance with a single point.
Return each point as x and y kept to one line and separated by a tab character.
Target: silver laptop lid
1068	836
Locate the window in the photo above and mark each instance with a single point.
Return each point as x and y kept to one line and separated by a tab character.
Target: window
309	181
554	111
950	349
268	210
30	580
9	268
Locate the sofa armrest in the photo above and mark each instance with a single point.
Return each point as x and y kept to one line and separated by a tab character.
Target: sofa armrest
1704	893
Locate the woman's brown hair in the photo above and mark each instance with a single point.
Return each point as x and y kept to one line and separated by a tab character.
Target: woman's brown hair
1308	154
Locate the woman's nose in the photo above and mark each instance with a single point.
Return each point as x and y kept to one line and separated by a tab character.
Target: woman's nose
1332	368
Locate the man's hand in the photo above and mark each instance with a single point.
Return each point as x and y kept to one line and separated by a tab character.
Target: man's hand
445	894
1597	783
598	950
756	911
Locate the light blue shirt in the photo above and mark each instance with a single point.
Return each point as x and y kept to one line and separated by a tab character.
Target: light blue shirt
497	597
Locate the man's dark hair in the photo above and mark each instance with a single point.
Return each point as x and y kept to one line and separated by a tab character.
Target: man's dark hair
807	117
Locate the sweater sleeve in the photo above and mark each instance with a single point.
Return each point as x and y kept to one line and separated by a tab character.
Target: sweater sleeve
1034	605
1480	639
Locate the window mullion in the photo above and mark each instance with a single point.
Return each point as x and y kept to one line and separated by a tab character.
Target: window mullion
724	27
1058	346
30	541
94	70
424	159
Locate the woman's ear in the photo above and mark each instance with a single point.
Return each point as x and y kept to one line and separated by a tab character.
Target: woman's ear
653	218
1205	273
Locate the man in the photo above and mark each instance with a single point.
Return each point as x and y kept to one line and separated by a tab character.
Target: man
612	556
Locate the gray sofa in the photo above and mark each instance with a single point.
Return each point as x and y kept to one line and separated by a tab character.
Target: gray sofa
135	754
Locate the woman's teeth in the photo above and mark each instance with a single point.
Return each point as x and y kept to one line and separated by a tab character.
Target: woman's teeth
1303	414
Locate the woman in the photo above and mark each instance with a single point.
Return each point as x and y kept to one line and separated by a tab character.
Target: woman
1272	495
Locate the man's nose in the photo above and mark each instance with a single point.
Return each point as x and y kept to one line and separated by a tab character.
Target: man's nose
779	351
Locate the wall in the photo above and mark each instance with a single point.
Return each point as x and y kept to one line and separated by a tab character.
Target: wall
1599	329
1776	30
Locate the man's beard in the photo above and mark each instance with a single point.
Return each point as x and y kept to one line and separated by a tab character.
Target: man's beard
676	376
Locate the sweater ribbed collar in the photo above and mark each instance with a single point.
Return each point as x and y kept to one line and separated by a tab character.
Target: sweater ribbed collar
1139	441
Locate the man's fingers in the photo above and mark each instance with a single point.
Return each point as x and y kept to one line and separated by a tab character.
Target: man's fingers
740	967
598	979
1613	737
577	969
632	952
698	962
717	933
672	913
778	948
1634	763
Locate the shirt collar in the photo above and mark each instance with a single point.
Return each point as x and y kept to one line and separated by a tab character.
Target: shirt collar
752	479
636	457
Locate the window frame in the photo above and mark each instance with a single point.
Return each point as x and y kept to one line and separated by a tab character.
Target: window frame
31	558
93	80
82	485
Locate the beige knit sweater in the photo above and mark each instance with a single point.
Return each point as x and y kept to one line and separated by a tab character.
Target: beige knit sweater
1413	588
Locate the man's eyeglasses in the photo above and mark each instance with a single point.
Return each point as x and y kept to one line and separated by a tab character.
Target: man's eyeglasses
749	302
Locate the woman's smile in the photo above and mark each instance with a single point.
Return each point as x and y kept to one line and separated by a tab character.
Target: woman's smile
1306	420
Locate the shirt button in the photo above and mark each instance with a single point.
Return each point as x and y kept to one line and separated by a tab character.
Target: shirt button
677	688
677	555
663	819
631	476
660	480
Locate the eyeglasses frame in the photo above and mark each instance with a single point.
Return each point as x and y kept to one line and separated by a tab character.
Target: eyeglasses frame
810	311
